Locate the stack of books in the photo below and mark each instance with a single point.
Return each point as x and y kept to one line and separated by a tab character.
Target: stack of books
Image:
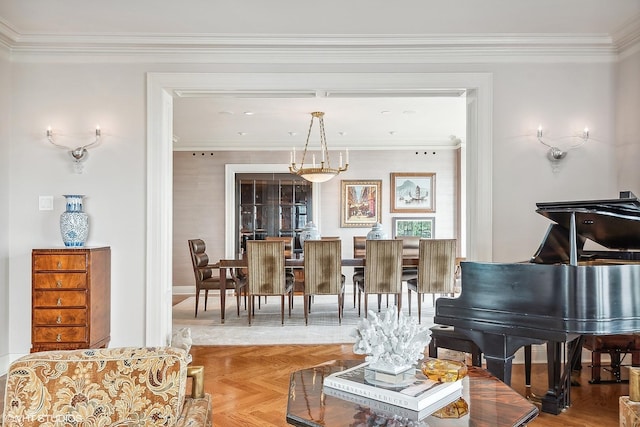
414	398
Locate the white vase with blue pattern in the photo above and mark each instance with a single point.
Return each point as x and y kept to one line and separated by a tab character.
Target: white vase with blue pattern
377	232
74	223
310	232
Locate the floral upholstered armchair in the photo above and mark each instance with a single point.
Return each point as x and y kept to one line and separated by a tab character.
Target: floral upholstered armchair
106	387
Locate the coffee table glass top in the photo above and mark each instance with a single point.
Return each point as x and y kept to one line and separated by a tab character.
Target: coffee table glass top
491	403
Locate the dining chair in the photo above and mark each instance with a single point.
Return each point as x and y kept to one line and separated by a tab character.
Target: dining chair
206	275
382	272
297	275
288	244
323	273
266	274
436	270
410	249
359	244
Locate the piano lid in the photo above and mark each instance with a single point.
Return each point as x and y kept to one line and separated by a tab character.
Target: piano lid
614	224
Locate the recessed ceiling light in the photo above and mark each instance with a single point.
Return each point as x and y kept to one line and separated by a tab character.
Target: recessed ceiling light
242	133
293	133
249	113
342	133
385	112
392	132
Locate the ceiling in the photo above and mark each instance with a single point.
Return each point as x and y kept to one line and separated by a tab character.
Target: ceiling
206	17
204	121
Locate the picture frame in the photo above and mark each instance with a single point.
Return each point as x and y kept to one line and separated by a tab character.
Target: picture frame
413	192
423	227
361	203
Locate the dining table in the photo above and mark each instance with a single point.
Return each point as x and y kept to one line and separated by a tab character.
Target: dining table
224	265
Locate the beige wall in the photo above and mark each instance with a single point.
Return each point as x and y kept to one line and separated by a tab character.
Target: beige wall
198	195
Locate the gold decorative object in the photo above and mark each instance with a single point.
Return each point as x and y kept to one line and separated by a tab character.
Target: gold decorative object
634	384
443	370
457	409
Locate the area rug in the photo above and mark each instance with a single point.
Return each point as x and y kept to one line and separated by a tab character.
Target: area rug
265	329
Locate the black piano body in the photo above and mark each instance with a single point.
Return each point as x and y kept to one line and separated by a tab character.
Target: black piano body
564	293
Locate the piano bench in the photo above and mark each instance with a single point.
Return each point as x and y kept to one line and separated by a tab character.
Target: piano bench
443	336
617	346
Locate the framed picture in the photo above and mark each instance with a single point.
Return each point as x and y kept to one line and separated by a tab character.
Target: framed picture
413	192
360	203
418	227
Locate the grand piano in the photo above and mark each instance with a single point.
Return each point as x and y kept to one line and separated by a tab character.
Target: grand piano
564	293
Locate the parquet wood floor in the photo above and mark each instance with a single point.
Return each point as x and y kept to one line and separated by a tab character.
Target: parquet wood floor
249	385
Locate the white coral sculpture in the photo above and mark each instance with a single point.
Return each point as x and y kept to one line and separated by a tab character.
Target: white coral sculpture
391	340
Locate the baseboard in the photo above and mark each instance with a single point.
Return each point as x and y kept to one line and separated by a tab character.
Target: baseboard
4	364
183	290
6	360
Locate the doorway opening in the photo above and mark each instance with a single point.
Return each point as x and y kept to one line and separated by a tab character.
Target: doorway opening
161	89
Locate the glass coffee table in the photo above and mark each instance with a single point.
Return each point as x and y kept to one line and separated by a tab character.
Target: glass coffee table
490	402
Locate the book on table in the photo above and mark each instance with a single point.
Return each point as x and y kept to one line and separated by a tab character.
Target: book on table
415	391
393	412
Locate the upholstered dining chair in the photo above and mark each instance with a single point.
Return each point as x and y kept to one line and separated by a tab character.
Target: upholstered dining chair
322	272
288	244
410	249
382	272
207	276
296	275
436	270
266	275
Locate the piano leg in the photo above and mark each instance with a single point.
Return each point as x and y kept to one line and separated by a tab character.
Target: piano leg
498	350
558	395
528	392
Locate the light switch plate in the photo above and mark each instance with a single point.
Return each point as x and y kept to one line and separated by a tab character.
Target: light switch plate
45	203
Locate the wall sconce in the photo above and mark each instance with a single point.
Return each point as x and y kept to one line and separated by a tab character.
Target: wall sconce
555	154
79	154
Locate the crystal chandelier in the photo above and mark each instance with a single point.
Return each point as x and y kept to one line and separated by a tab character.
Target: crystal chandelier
312	171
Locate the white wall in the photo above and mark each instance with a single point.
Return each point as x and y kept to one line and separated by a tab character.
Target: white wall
198	184
5	131
73	97
563	98
628	123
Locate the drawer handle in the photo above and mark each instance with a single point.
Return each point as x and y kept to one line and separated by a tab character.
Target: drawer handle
58	283
59	337
59	265
59	319
59	302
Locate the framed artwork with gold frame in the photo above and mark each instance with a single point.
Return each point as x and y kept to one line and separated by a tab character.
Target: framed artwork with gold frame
413	192
360	205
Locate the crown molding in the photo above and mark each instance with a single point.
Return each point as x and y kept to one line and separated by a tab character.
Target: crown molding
8	35
627	38
266	48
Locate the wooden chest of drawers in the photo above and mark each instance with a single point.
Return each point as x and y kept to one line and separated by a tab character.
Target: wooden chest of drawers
71	298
